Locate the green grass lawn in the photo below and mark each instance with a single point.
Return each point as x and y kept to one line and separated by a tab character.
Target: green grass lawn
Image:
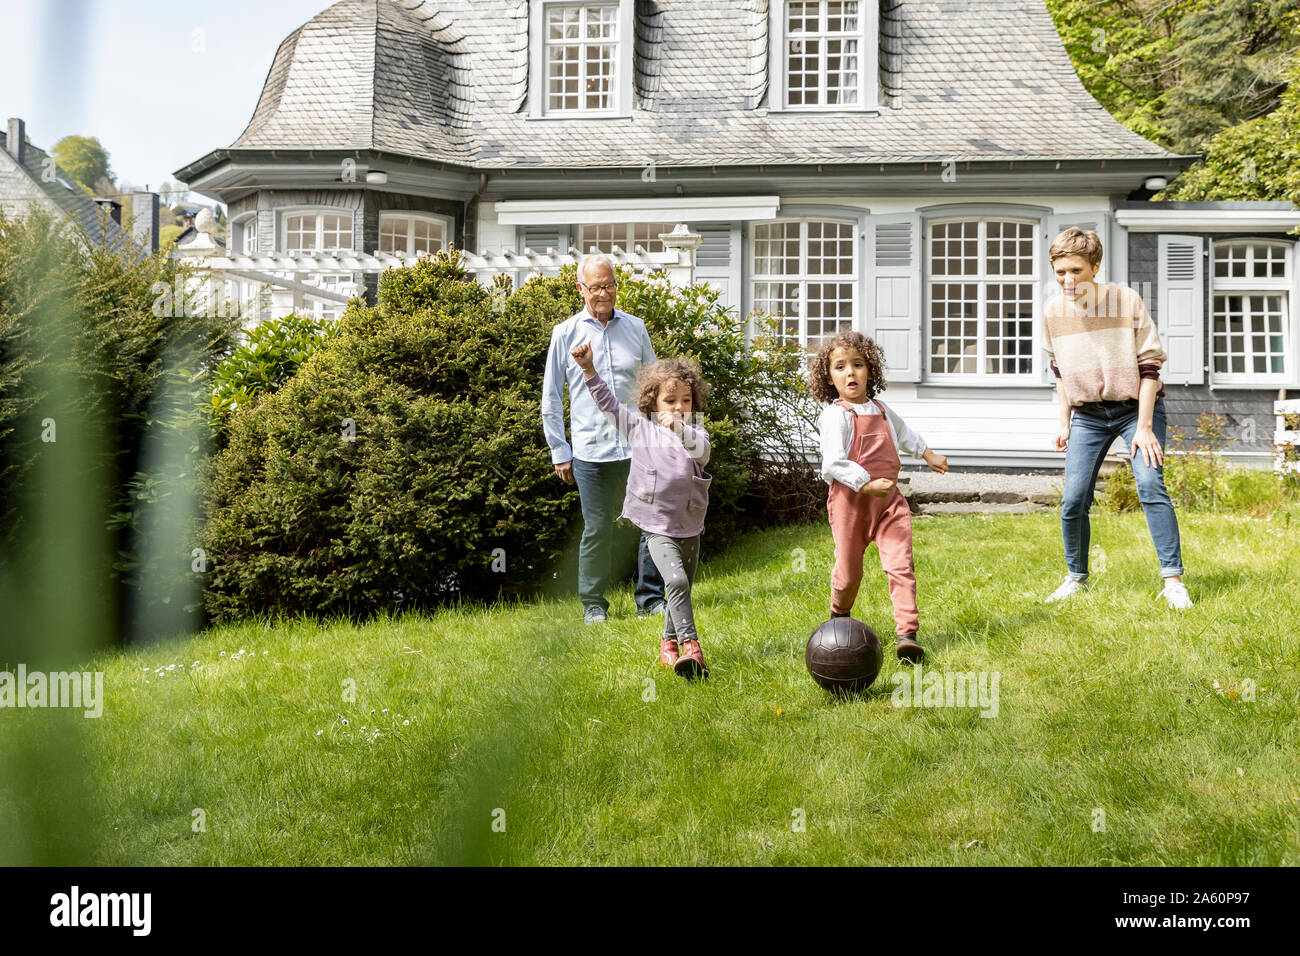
1124	733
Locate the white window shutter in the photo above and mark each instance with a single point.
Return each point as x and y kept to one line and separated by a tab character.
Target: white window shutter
717	261
541	238
1180	311
894	303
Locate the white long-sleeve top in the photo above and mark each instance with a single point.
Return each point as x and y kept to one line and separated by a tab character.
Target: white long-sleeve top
835	427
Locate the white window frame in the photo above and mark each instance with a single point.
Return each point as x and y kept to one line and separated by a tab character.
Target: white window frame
1285	286
320	213
868	62
538	84
244	229
982	280
444	222
802	278
628	243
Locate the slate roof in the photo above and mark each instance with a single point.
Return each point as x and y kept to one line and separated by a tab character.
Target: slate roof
448	80
71	199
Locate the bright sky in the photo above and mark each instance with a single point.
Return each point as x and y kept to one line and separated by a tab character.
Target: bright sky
159	82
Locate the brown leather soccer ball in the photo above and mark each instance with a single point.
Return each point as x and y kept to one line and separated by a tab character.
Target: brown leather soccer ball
843	655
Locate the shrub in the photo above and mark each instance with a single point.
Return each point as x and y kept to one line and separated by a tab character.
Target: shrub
266	358
1121	490
91	338
403	465
1198	477
444	487
1196	473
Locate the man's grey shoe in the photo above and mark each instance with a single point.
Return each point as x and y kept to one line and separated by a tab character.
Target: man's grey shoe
661	609
1069	588
594	615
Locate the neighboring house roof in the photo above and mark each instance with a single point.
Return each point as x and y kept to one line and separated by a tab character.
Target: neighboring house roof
190	234
64	196
448	80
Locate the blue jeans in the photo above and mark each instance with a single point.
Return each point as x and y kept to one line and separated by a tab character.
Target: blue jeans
1091	434
601	487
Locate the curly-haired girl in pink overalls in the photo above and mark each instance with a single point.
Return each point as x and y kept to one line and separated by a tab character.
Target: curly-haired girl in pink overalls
860	440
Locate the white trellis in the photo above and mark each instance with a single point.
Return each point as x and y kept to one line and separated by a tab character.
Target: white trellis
1286	436
216	266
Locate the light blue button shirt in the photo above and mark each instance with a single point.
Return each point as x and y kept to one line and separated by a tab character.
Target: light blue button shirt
619	349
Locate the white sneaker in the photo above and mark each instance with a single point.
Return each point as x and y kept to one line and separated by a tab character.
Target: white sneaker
1068	589
1175	593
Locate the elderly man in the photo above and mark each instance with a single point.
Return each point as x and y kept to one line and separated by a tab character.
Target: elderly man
599	458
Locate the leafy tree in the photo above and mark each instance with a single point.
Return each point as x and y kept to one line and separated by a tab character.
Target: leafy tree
1257	159
1232	61
84	159
1179	71
1197	76
1123	51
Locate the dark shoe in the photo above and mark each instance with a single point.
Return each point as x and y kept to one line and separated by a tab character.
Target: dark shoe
661	609
836	614
668	653
908	649
691	663
595	614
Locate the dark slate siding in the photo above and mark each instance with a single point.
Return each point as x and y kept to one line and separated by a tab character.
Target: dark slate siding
377	202
1246	409
1143	265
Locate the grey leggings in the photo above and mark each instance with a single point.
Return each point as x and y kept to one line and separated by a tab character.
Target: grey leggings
676	559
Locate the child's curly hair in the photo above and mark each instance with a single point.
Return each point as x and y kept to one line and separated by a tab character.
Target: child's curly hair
654	376
819	381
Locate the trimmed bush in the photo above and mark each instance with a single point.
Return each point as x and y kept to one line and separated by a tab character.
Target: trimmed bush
405	465
92	339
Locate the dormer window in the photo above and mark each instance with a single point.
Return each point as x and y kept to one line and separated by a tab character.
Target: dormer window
581	59
823	55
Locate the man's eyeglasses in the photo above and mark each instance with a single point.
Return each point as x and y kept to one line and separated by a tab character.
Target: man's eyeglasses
599	289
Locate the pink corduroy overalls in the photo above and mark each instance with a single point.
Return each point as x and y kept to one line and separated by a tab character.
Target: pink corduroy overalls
858	518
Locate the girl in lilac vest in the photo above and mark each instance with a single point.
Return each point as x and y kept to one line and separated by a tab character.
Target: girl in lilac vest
667	486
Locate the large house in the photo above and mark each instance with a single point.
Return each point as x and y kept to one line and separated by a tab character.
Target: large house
898	166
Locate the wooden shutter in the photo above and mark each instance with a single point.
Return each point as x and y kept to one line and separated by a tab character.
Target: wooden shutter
1180	311
893	274
541	238
717	261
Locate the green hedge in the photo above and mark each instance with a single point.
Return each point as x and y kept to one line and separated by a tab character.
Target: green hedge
95	339
441	486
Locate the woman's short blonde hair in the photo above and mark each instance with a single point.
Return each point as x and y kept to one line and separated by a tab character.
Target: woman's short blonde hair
1077	242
